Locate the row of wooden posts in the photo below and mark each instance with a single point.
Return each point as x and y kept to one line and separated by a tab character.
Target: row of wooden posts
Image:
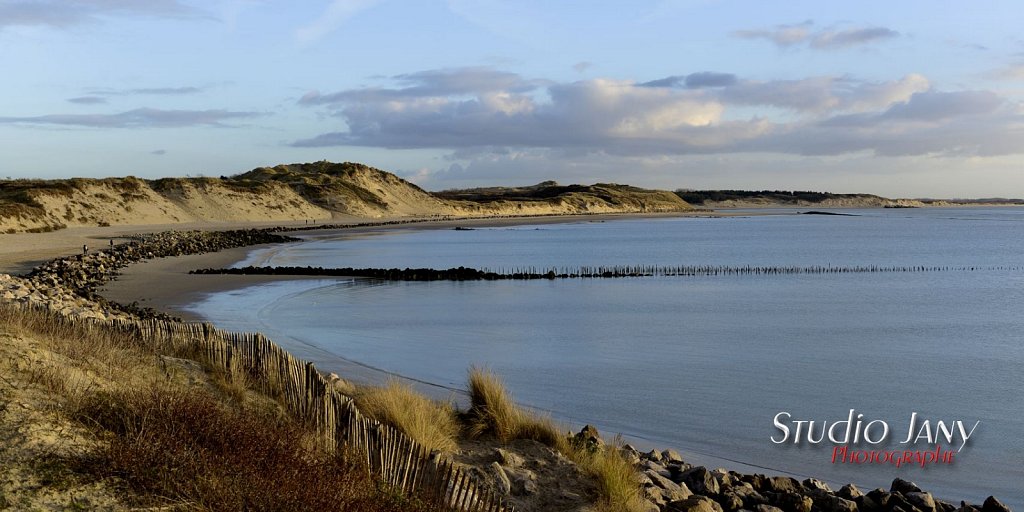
389	454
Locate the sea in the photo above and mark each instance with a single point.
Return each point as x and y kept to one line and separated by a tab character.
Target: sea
719	367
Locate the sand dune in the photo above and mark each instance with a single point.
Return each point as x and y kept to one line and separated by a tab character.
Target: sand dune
316	191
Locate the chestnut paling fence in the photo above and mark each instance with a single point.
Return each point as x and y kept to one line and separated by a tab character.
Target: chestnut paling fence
394	457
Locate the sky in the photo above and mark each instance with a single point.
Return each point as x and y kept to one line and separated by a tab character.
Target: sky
901	99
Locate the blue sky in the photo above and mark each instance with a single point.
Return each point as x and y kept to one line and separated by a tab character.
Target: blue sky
909	98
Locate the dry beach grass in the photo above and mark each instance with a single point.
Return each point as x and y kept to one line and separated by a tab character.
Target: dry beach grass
94	420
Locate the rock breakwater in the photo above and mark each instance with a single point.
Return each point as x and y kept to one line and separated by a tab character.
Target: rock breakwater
68	285
672	485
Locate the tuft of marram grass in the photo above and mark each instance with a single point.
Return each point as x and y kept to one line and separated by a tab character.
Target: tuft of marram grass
618	481
431	424
493	412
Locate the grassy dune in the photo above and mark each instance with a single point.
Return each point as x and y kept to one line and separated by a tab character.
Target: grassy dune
96	420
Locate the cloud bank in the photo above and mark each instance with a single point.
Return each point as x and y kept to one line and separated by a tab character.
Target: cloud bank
474	111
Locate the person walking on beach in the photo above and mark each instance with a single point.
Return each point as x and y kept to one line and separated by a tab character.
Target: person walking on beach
85	249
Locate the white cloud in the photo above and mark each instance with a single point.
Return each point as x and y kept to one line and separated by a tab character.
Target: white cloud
475	111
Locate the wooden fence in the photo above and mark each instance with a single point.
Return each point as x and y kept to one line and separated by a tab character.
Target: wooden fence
394	457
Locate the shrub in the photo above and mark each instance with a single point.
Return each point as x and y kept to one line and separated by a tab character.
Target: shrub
189	449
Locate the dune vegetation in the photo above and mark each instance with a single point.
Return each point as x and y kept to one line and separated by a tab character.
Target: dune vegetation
97	420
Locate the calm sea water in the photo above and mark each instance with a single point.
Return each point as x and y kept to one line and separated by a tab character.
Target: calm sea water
701	364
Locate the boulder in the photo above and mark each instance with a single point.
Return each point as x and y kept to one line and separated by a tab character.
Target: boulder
993	505
725	480
868	503
967	507
653	455
507	458
902	486
589	438
746	492
657	468
814	483
700	481
830	503
922	500
792	502
730	501
849	492
664	483
524	482
759	482
694	504
784	484
671	455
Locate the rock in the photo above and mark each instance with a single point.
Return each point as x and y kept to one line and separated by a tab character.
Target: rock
759	482
849	492
967	507
723	477
508	459
656	495
700	481
694	504
730	501
830	503
793	502
631	457
650	507
944	506
766	508
671	456
653	455
501	479
869	503
589	438
902	486
658	468
893	500
524	482
671	490
784	484
677	468
993	505
746	492
922	500
814	483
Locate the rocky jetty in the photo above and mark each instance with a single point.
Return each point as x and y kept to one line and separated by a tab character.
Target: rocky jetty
672	485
